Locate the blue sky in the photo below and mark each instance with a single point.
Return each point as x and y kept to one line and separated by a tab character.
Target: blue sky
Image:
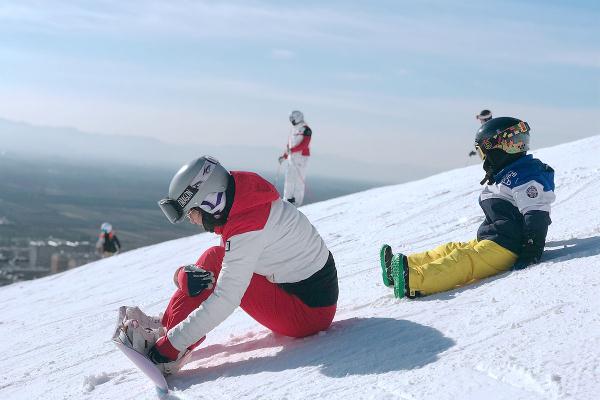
384	81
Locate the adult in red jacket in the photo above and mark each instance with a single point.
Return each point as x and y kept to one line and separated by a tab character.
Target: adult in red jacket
271	262
297	154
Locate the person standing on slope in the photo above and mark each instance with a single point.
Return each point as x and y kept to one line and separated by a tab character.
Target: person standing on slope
297	153
271	262
484	116
108	243
516	203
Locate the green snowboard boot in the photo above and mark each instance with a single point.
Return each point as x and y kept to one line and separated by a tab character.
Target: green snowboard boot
398	274
385	260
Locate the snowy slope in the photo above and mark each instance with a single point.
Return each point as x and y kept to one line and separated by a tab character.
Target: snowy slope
532	334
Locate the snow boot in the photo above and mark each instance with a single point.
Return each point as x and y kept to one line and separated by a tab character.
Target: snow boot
385	261
137	330
152	322
133	335
399	265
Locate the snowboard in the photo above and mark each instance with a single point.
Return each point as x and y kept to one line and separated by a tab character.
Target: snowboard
143	363
146	366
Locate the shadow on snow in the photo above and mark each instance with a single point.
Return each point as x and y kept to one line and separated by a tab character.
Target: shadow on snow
571	248
356	346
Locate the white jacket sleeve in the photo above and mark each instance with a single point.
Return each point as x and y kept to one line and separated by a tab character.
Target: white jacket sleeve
532	197
241	255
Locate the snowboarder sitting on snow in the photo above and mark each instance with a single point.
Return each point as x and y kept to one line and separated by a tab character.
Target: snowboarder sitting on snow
272	263
516	203
108	243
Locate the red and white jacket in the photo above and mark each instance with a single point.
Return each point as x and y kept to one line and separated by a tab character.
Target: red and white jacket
299	140
263	235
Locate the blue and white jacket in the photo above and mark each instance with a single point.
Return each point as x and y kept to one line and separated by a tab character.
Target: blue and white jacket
517	206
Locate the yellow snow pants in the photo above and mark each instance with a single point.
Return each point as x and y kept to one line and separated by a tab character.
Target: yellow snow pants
456	264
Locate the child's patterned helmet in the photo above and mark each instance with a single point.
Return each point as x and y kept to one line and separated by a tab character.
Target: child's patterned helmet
510	135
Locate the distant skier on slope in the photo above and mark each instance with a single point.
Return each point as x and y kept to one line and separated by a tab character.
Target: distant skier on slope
297	153
272	263
483	117
108	243
516	203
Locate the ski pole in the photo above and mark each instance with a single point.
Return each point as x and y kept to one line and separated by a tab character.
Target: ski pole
277	176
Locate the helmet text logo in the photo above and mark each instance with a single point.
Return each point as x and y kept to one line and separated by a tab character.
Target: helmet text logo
185	197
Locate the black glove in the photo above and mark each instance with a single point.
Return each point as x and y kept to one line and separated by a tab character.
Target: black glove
193	280
157	358
535	231
530	254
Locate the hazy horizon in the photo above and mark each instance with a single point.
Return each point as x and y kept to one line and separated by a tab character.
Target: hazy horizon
72	144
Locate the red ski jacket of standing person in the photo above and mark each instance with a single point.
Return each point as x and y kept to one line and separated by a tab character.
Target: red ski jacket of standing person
299	141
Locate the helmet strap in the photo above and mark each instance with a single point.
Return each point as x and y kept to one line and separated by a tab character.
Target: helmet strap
488	179
495	161
211	221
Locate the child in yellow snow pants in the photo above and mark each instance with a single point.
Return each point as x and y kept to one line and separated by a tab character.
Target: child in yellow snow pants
515	200
455	264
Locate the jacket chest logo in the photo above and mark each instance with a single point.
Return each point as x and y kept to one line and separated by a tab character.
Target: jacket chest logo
507	180
532	192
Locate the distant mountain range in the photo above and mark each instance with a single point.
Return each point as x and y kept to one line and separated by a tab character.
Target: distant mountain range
26	140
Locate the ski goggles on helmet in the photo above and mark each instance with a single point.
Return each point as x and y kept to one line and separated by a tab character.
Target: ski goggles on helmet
174	210
512	140
480	152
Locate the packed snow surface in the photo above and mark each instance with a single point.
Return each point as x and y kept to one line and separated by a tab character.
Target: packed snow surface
532	334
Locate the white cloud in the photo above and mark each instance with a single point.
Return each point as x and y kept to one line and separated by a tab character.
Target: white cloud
586	59
282	54
312	25
358	77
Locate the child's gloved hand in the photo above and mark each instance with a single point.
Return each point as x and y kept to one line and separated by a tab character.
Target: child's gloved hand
530	254
192	280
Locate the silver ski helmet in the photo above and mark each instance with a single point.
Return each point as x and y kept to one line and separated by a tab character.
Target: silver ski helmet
507	134
190	186
296	117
